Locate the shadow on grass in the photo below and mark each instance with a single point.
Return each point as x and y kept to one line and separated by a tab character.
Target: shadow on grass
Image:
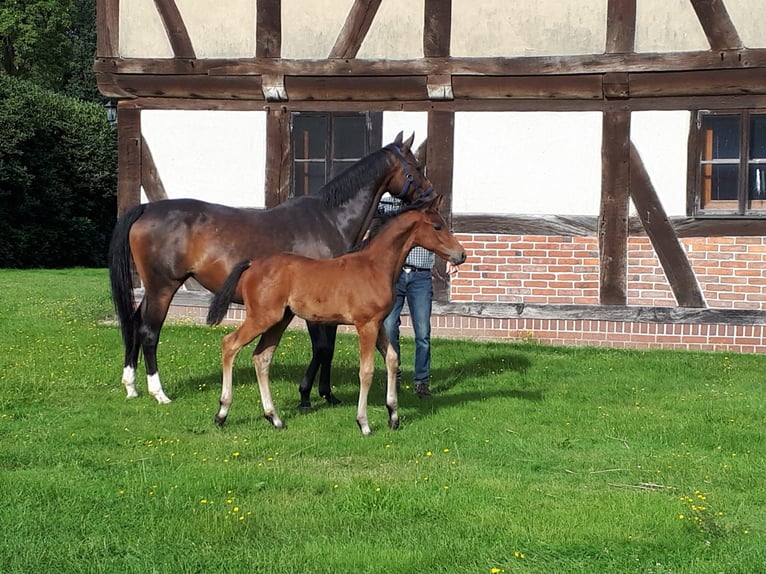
459	384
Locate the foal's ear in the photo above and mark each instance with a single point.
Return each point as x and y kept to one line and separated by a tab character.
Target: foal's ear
436	203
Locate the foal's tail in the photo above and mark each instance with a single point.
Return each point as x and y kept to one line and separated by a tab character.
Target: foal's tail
120	277
222	299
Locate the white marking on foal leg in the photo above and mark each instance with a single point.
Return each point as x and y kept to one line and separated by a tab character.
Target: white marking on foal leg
129	382
155	388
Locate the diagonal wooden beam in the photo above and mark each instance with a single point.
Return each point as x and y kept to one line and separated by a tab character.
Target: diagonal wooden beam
620	26
719	29
151	180
659	229
175	28
355	29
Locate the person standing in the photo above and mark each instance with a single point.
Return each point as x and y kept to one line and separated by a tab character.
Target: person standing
415	286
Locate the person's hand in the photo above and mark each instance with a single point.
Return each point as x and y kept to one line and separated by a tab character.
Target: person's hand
451	269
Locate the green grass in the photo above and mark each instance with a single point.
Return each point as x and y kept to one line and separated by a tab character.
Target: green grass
527	458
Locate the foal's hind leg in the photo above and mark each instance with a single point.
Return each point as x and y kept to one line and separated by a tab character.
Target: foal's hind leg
262	355
322	351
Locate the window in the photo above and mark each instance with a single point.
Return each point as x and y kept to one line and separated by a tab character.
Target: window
732	161
324	144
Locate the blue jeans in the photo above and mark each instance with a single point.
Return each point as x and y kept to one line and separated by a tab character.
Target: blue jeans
417	288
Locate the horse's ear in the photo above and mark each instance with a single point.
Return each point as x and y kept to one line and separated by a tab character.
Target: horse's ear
398	139
420	153
408	142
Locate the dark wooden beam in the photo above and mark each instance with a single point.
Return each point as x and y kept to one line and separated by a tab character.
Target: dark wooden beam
437	28
129	142
613	216
616	313
719	29
355	29
268	29
587	225
620	26
278	156
660	231
518	66
440	157
175	29
107	28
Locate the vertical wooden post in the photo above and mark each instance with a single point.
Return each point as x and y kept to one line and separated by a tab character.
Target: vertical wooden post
440	157
613	216
128	158
278	156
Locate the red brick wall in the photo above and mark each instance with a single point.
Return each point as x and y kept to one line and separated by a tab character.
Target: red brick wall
564	270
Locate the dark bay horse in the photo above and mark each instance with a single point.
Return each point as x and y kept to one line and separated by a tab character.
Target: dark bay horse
172	240
353	289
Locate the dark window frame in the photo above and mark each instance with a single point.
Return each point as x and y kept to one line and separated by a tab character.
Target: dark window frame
702	163
372	141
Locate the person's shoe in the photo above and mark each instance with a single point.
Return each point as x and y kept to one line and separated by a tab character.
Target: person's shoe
422	390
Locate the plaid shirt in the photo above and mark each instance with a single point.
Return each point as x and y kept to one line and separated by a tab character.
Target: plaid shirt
418	256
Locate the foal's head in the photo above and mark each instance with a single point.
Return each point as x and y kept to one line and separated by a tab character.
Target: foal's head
432	232
408	181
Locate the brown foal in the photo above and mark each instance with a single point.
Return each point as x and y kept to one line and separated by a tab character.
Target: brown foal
354	289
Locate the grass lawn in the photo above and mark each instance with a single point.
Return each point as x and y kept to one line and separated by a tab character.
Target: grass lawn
527	459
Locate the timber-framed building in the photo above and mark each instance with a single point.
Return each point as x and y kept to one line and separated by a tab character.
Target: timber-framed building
604	161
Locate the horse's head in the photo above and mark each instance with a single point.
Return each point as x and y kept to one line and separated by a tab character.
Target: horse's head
432	232
408	181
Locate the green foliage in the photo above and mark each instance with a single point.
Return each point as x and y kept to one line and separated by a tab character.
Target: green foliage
51	43
58	166
527	459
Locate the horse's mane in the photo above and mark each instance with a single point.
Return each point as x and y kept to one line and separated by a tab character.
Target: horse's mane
347	184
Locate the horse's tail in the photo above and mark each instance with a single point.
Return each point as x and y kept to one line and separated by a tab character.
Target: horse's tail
222	298
120	275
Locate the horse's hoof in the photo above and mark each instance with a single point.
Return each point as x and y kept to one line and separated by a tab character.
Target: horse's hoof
275	421
332	400
393	424
304	404
219	421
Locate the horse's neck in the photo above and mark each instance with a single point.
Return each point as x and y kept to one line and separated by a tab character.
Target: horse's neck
355	215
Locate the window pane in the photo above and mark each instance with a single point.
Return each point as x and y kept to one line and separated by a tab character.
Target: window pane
723	181
722	136
349	137
758	137
309	136
757	182
309	177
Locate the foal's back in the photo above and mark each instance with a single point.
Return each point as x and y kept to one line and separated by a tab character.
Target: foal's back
346	290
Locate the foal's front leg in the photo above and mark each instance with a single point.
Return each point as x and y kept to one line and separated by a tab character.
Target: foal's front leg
368	334
392	365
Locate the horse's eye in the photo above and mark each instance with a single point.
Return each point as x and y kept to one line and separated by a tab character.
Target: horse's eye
438	226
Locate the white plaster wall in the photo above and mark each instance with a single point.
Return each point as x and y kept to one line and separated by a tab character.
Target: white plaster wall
216	156
748	17
524	163
661	140
407	122
523	28
668	26
527	163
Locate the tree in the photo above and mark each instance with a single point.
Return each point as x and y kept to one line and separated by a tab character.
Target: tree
51	43
58	178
